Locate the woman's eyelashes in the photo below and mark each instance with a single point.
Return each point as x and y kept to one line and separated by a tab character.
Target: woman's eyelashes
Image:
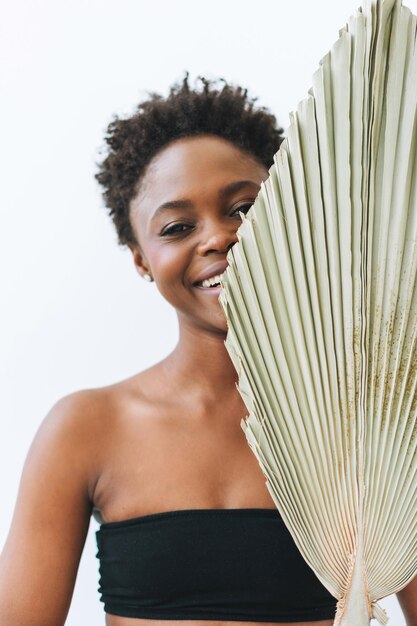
183	228
243	208
179	228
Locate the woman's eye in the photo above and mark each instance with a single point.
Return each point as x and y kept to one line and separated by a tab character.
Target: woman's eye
175	229
243	208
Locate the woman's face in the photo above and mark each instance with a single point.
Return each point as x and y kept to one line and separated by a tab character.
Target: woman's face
185	217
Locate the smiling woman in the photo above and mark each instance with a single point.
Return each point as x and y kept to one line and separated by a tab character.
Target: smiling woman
185	216
188	528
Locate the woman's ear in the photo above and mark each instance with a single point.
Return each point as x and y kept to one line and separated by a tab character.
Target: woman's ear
140	263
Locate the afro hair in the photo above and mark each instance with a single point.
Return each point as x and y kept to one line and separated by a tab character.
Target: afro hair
208	109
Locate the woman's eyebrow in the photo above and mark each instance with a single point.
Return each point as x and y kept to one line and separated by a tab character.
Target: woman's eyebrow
224	191
237	186
172	204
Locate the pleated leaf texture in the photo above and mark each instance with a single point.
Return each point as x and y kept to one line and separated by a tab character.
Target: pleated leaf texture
321	301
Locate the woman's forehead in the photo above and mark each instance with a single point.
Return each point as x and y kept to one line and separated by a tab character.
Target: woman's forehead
196	165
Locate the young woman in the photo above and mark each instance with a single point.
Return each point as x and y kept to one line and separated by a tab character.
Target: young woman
188	528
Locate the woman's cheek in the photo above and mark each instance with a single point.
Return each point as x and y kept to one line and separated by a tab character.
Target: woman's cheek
169	266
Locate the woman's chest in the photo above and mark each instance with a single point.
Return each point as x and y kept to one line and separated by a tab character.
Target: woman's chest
171	463
219	548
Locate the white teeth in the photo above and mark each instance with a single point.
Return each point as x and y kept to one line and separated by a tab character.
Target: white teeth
209	282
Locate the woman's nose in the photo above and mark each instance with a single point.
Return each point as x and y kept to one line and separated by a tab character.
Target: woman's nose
217	238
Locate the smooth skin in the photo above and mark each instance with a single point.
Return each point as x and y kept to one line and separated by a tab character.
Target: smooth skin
167	438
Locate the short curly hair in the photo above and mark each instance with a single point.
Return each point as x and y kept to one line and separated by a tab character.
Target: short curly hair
227	112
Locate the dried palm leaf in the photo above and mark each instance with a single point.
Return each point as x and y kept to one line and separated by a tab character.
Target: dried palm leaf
321	301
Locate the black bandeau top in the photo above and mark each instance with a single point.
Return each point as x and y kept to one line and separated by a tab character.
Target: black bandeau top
208	564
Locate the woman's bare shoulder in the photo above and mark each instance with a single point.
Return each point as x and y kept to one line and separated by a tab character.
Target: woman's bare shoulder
90	407
93	412
76	413
84	424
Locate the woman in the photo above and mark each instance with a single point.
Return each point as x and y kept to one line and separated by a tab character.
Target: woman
189	530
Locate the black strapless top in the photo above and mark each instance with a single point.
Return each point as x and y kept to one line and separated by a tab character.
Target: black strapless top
208	564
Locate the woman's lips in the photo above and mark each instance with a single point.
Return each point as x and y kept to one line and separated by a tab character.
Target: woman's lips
210	282
210	275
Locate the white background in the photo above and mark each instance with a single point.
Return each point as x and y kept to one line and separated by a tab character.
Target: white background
74	313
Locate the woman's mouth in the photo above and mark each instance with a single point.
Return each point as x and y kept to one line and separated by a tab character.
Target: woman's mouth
210	279
210	286
210	283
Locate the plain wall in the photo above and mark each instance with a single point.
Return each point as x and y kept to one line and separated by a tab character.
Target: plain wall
74	313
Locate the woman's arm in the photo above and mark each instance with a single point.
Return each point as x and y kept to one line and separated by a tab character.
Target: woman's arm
39	562
407	598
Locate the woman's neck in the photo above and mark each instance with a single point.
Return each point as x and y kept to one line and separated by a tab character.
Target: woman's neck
202	364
